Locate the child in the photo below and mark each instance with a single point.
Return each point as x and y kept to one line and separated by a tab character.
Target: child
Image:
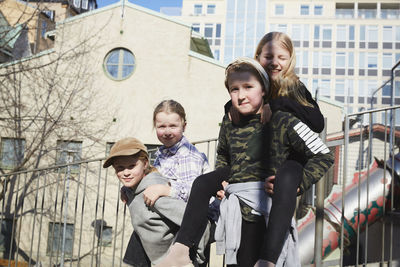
178	160
275	52
157	225
244	147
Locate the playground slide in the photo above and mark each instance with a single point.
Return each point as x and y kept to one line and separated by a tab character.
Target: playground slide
372	199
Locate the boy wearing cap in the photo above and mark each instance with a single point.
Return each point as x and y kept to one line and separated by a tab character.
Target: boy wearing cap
156	225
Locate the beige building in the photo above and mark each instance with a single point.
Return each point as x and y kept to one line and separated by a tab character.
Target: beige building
100	82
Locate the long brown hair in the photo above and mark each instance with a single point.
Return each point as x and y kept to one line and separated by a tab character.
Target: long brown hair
288	84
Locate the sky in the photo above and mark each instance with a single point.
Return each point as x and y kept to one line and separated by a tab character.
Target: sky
151	4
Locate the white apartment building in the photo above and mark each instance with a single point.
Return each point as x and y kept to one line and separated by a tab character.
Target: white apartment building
345	49
207	19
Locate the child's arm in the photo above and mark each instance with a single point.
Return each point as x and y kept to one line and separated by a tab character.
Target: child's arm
154	192
319	158
311	116
289	135
223	158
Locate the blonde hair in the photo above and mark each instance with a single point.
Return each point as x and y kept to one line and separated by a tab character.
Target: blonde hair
144	157
252	66
288	83
169	106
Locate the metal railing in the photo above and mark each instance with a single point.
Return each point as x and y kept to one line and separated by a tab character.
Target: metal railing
68	216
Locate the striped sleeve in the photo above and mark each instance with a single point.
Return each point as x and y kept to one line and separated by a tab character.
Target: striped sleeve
318	156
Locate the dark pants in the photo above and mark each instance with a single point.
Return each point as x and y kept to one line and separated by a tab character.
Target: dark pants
135	254
251	242
195	218
287	180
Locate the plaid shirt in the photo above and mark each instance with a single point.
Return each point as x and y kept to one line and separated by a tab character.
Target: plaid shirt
181	164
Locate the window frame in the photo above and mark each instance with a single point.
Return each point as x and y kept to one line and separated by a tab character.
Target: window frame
14	160
211	7
279	7
52	239
120	70
304	10
198	9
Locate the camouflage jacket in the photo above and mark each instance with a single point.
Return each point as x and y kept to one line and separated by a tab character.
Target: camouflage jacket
243	148
255	151
292	139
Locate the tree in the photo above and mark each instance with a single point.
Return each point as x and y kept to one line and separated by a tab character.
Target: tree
46	104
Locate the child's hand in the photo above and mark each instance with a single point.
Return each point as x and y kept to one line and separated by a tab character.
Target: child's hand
269	185
153	192
221	193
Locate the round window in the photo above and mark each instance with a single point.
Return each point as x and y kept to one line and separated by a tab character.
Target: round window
119	63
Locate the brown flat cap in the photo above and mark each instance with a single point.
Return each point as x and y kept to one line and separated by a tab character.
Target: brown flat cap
124	147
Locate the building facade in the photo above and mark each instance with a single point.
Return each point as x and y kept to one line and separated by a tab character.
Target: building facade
345	49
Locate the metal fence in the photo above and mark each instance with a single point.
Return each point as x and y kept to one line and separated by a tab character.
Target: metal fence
71	215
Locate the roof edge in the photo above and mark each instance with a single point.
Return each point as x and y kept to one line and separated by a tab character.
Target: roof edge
126	4
332	102
42	53
207	59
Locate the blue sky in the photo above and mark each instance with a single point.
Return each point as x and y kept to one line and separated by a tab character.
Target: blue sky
151	4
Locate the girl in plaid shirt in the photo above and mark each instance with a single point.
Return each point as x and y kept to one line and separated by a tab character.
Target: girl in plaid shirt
177	159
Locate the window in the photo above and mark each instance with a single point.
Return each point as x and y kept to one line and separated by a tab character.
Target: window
210	9
369	34
208	32
216	54
318	10
325	87
279	9
345	36
372	60
85	4
218	31
55	239
344	10
66	149
77	3
119	64
108	147
12	152
326	32
278	27
340	60
198	9
390	11
43	29
103	233
387	61
339	88
196	27
217	40
367	10
315	59
49	13
316	32
388	34
304	10
326	59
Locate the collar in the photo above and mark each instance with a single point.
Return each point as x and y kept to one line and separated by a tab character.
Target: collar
168	151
